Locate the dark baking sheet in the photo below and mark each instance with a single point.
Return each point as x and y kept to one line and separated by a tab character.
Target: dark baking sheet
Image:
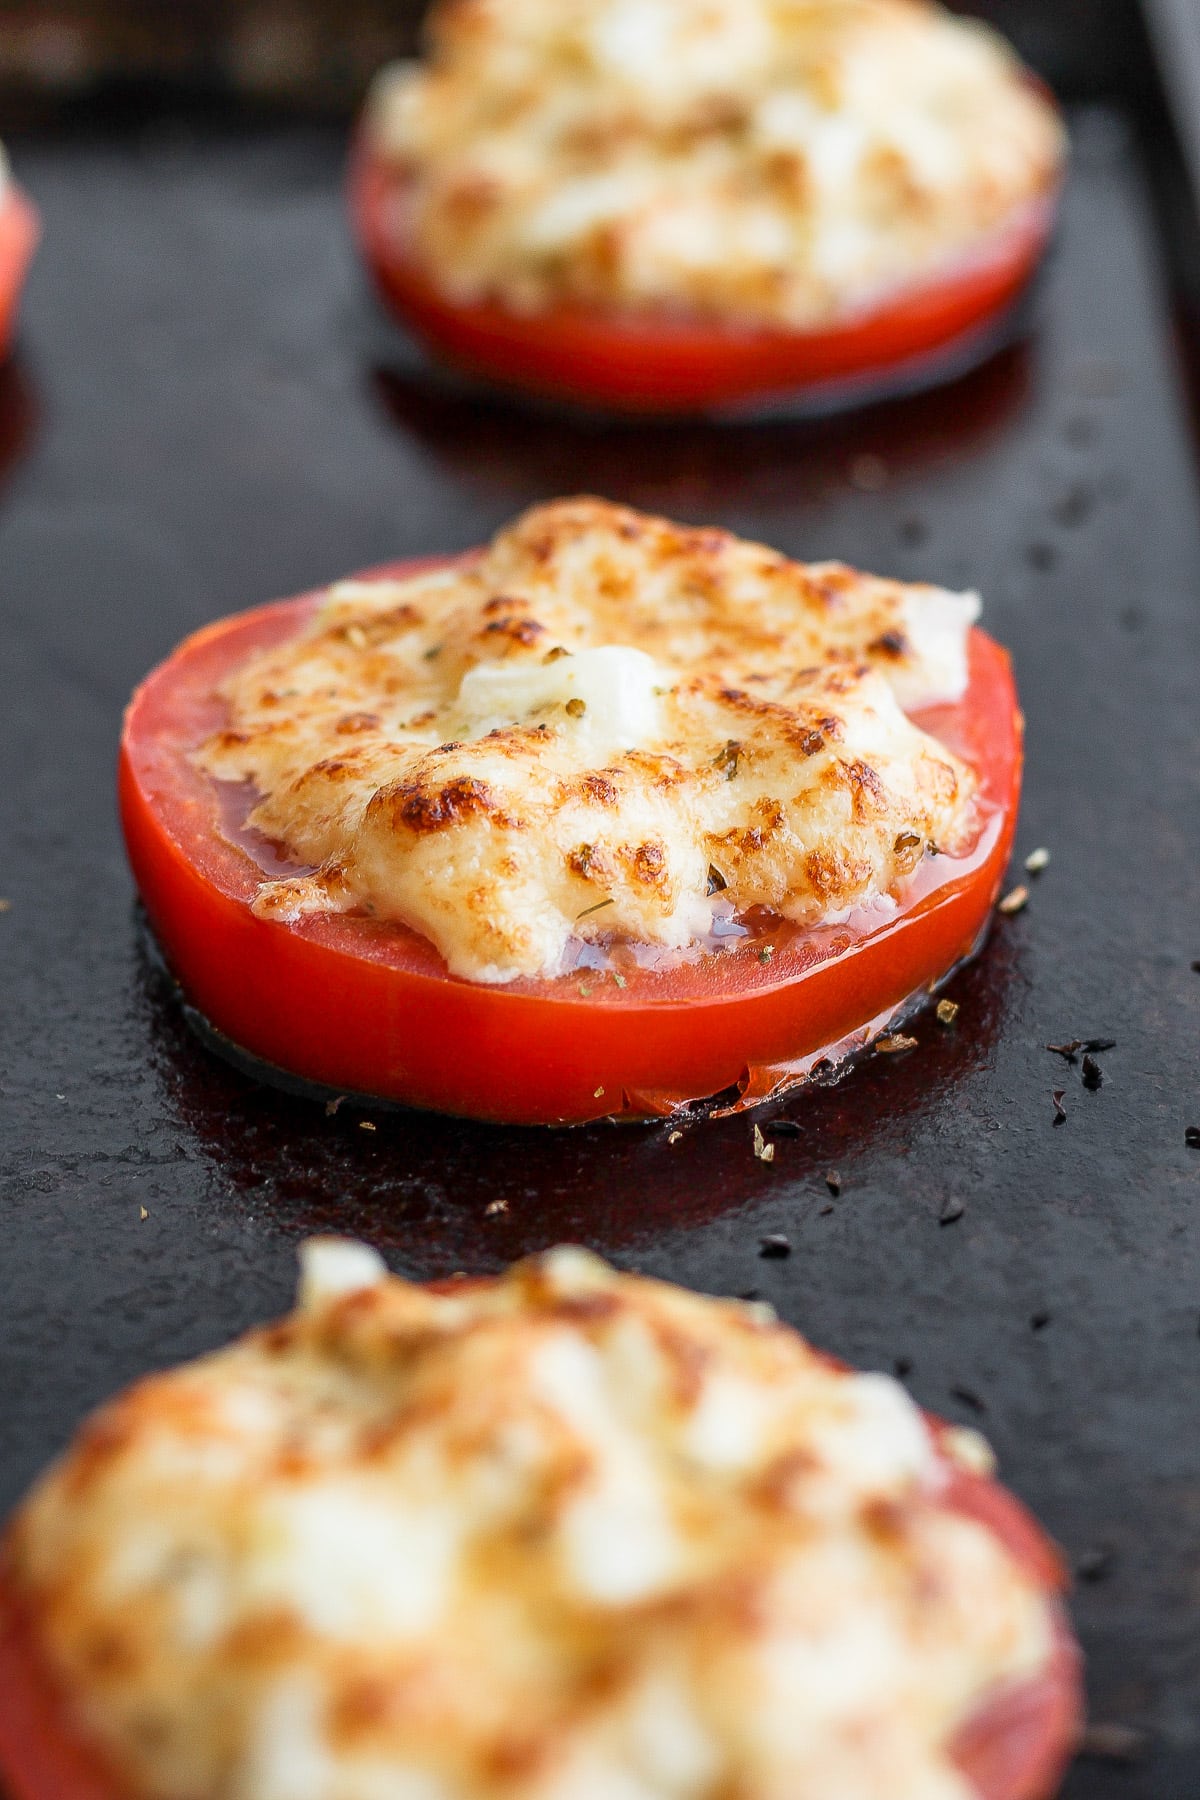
206	413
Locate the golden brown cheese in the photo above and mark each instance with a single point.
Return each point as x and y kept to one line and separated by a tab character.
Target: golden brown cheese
781	162
609	728
565	1535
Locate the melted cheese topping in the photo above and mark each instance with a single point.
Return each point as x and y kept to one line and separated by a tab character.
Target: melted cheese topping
564	1535
772	161
605	728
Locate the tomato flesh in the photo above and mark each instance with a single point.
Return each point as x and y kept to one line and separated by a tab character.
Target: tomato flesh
360	1005
19	233
1015	1748
654	362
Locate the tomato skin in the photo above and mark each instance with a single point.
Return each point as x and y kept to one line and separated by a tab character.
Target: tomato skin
42	1757
19	234
658	363
362	1006
1016	1748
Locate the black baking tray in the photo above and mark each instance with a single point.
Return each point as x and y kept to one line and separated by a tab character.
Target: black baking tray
205	412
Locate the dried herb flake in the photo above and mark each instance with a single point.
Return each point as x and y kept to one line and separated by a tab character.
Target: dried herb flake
947	1012
968	1397
727	758
765	1152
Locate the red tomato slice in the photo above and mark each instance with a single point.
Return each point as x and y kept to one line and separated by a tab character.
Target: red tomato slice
19	233
360	1005
1015	1748
652	362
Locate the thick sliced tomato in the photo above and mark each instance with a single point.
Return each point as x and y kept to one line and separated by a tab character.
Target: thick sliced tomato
1015	1748
19	232
360	1005
653	362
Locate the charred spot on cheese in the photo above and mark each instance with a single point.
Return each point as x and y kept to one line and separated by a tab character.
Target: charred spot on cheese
559	1532
745	160
704	703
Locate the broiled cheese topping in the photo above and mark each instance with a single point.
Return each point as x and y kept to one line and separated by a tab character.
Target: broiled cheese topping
564	1535
607	728
772	161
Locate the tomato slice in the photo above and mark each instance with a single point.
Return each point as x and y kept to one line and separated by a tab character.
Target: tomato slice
360	1005
654	362
19	233
1015	1748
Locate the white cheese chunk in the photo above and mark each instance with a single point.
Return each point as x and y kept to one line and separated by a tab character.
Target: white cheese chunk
936	624
608	696
330	1267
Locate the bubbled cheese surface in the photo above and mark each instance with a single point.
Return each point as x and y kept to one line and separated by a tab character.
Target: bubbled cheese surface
607	727
564	1535
781	162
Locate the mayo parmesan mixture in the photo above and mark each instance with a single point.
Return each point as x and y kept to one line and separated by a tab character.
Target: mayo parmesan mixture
563	1535
606	728
779	162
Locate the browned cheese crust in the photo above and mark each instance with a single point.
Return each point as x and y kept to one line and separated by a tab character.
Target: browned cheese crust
563	1535
604	727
